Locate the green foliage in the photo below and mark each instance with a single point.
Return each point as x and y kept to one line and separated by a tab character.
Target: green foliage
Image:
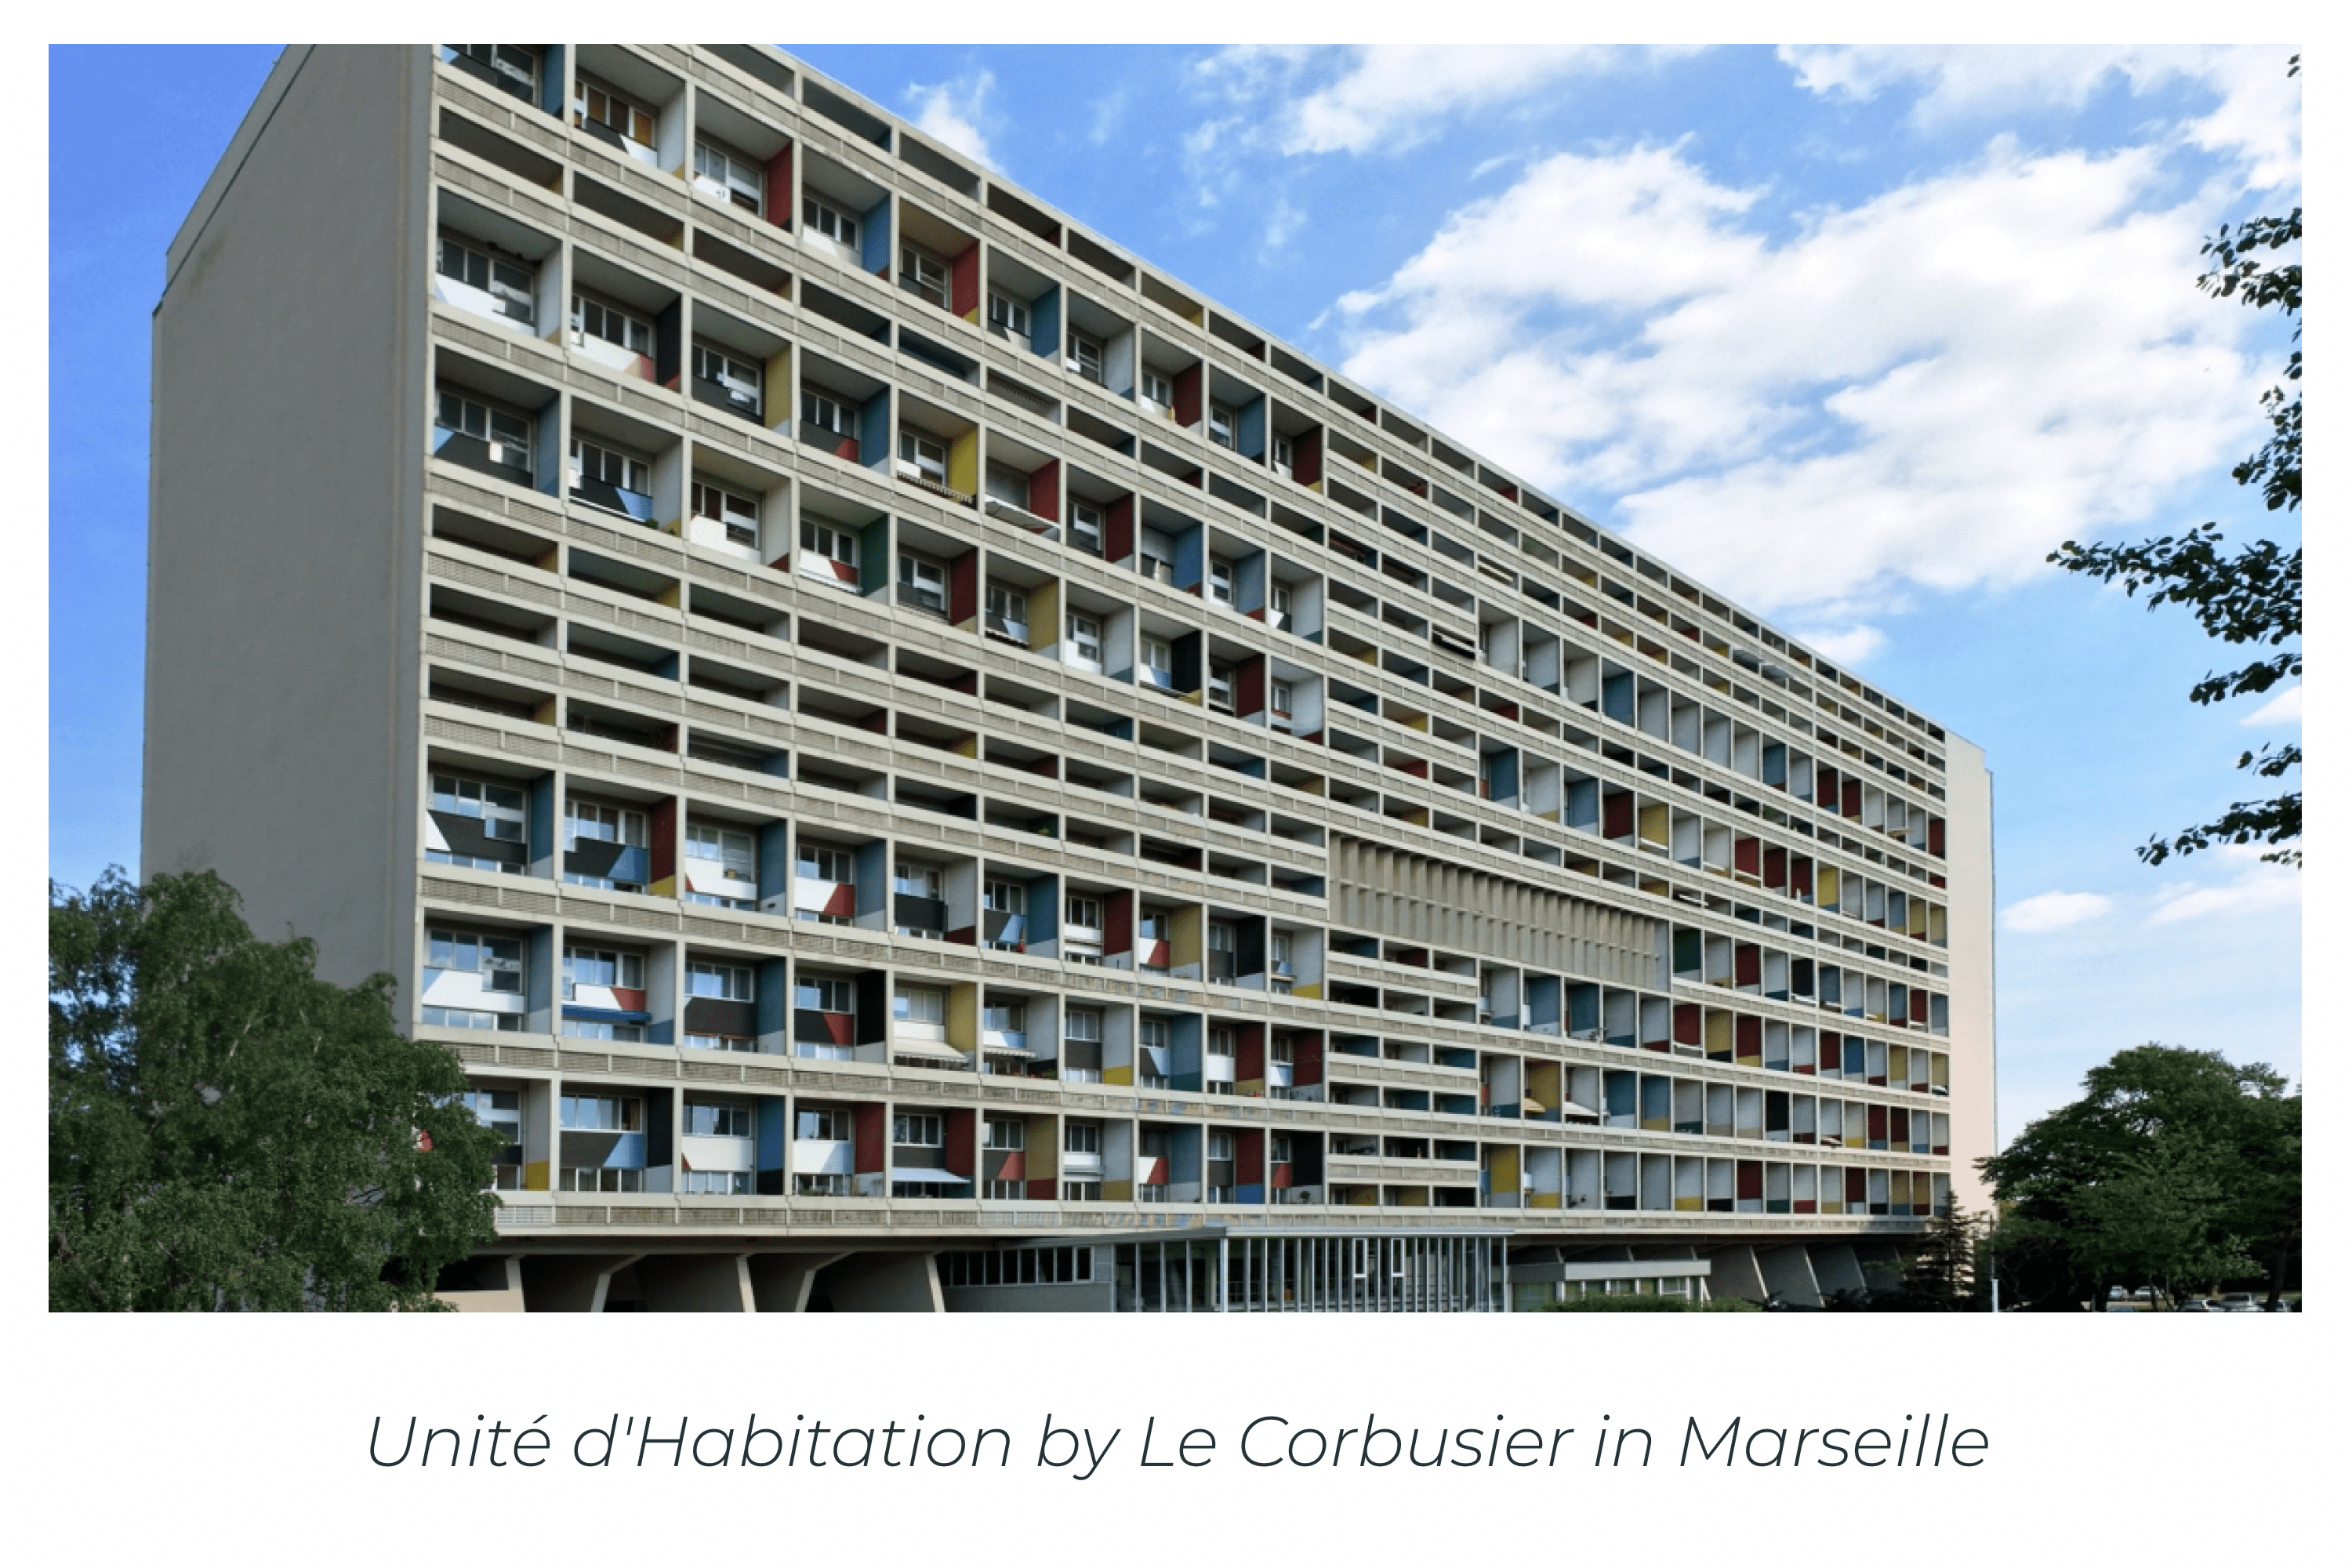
1597	1303
226	1131
2172	1167
1944	1270
2254	596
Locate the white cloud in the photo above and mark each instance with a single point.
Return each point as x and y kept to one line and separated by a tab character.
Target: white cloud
1850	646
1927	390
2286	708
2054	912
2258	120
2255	887
1282	223
952	113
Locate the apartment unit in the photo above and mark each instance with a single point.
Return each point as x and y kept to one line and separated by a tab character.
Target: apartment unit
921	762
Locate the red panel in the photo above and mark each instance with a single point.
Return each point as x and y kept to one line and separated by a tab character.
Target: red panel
1800	875
1850	798
1687	1022
1750	1179
1805	1205
842	1027
1016	1168
1249	1148
842	900
628	1001
1877	1122
1832	1052
1616	815
1249	687
1045	490
847	448
1899	1126
1936	836
963	587
665	844
1747	1036
1776	867
1042	1190
1826	788
780	188
871	1127
1857	1184
1188	395
877	722
1919	1006
1746	855
1249	1058
1306	1057
1307	457
1119	530
963	1141
963	281
1119	923
1747	964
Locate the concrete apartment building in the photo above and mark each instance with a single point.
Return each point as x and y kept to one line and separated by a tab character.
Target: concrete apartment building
921	762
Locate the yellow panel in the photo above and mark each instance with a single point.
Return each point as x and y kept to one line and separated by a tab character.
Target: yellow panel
1119	1192
1310	992
775	389
1718	1030
534	1176
1657	1124
670	597
665	889
1366	1197
964	462
1825	886
1503	1169
1413	1197
968	747
544	713
1125	1075
1543	1084
1898	1064
1046	616
1690	1205
964	1017
1653	824
1184	937
1544	1201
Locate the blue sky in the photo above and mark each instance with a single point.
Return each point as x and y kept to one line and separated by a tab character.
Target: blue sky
1855	336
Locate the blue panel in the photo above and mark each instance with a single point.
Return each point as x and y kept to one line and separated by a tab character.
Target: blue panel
607	1015
775	861
1503	776
874	228
628	1153
1185	1036
1045	322
551	450
1617	1093
1543	999
873	875
1251	1192
1584	1006
538	979
1184	1148
1249	429
1249	582
773	1001
1045	908
874	438
1617	698
553	80
1582	803
541	827
1853	1058
1192	557
770	1146
631	865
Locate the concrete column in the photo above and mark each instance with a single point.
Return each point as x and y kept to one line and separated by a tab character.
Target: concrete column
1733	1273
885	1282
1788	1274
570	1283
699	1283
1836	1269
780	1280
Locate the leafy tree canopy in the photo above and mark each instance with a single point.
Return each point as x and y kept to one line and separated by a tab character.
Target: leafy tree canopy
227	1131
2252	596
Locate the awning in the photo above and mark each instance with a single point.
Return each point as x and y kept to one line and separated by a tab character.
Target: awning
1021	1053
935	1049
607	1016
928	1175
1570	1108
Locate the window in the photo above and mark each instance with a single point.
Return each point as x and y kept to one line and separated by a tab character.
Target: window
1282	456
593	319
593	465
828	415
1004	1135
820	218
1156	389
1151	1192
507	436
924	275
727	982
715	1183
1278	605
721	1043
1277	1147
1279	961
1086	527
605	967
498	808
1221	681
1007	317
1159	661
1005	1018
513	68
1081	1138
718	1122
1082	1192
923	456
825	1186
1285	1044
922	584
738	514
917	880
823	1126
599	1112
1083	912
918	1131
1003	1192
1223	421
1086	641
818	995
507	282
594	1178
441	1017
1221	1145
1156	557
737	380
602	824
1151	1045
1008	613
734	852
820	863
1086	357
923	1005
498	960
597	107
728	174
1220	579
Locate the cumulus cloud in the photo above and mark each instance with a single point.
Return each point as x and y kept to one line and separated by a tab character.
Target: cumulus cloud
952	113
1385	97
2054	912
2252	887
2286	708
2257	120
1925	390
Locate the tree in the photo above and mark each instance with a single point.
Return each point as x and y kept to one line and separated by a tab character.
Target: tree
2254	596
1944	1269
2172	1167
227	1131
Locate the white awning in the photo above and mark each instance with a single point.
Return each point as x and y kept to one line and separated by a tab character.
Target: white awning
900	1046
930	1175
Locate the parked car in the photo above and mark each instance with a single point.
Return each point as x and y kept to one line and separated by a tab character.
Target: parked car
2281	1305
2196	1304
2238	1301
2121	1307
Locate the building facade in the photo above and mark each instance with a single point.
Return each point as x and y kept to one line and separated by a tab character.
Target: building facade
921	762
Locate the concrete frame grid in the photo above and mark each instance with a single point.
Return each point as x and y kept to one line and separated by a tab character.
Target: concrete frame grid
923	764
